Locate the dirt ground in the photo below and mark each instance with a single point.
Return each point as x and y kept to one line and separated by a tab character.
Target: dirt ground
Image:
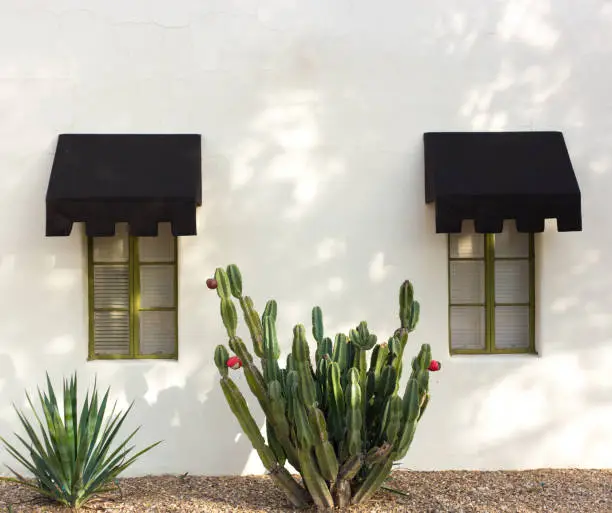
556	491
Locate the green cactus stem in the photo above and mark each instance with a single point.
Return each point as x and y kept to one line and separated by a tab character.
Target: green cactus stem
271	350
271	310
336	403
341	352
229	316
235	279
406	297
317	324
224	290
325	347
354	413
221	357
375	479
324	451
307	389
296	494
254	324
315	483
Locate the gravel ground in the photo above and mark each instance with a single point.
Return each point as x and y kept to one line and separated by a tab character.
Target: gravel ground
556	491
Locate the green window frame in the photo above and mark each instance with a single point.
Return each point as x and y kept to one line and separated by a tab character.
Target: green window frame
490	304
134	308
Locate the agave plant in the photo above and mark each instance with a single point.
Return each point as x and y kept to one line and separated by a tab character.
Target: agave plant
72	459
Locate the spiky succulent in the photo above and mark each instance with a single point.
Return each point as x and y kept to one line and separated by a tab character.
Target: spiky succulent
74	457
339	422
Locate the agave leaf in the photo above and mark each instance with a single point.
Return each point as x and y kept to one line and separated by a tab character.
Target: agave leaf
116	470
108	437
69	428
22	481
95	456
18	456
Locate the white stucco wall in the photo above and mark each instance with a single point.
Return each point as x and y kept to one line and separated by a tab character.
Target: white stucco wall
312	115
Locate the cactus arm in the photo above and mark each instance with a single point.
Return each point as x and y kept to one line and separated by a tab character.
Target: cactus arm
314	481
223	284
235	280
326	347
274	443
374	480
301	355
317	324
238	405
336	406
278	420
392	419
341	352
229	316
412	401
423	406
415	310
271	350
406	297
354	414
253	322
298	496
324	451
270	310
321	379
221	357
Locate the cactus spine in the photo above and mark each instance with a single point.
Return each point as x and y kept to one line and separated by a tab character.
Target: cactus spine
341	423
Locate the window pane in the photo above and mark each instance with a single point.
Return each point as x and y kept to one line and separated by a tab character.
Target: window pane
157	249
111	286
510	243
467	327
157	286
158	332
511	281
467	281
112	249
466	244
511	327
111	333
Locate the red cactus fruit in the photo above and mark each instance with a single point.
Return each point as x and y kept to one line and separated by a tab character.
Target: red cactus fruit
434	366
211	283
234	363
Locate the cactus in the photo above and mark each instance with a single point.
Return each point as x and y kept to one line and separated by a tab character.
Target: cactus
339	420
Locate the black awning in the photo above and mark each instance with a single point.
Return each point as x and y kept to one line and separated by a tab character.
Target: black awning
493	176
143	180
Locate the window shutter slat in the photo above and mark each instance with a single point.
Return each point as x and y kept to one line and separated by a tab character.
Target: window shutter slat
157	332
157	286
157	249
111	286
512	327
510	243
111	332
467	282
512	281
112	249
467	327
466	244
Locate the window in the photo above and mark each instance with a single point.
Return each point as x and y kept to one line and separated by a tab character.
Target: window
133	295
491	292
